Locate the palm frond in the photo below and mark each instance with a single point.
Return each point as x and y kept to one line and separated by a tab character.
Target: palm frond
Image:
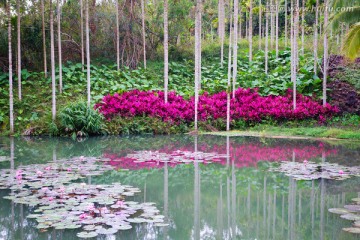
351	46
348	17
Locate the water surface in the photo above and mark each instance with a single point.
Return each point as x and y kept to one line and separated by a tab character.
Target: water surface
233	198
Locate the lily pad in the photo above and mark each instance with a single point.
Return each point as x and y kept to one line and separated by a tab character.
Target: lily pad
87	234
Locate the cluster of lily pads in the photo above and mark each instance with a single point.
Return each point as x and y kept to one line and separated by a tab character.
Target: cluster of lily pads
310	170
158	159
61	204
352	213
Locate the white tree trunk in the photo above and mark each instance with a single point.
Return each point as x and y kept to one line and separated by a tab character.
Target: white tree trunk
59	44
250	30
266	36
221	28
82	34
143	30
166	51
277	27
117	35
52	59
260	23
229	79
286	24
197	57
325	60
240	23
43	36
87	33
11	96
18	47
272	25
303	28
316	37
235	44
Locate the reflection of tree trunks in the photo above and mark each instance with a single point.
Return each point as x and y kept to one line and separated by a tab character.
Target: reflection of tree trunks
282	215
248	200
312	202
145	191
274	215
12	166
196	196
264	204
269	209
322	208
228	203
233	198
166	198
299	207
220	215
257	214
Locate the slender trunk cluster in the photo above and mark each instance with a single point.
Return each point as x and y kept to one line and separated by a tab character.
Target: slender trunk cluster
221	28
166	51
52	60
250	30
143	30
197	57
18	47
286	24
303	28
229	79
117	36
277	27
294	48
43	36
59	44
87	35
11	97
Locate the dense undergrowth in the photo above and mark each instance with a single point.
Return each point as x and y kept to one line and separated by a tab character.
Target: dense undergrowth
33	113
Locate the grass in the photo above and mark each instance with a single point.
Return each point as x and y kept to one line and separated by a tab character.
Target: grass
295	132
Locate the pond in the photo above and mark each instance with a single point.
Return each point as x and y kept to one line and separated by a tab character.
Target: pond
226	193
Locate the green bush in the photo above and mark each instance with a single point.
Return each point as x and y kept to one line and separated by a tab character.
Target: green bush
77	118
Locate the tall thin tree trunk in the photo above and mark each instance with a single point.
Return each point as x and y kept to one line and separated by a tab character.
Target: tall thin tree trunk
197	57
260	23
166	50
59	44
266	36
316	36
221	27
43	36
277	28
303	28
286	24
11	96
235	44
272	25
295	48
143	30
52	59
240	23
18	47
250	30
325	60
117	36
82	34
229	79
87	33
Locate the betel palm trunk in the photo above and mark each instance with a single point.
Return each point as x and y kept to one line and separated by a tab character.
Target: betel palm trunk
235	45
260	23
325	59
82	33
43	36
197	57
277	28
11	96
250	30
52	60
117	35
316	36
229	79
221	28
18	47
87	36
266	36
143	30
59	44
166	51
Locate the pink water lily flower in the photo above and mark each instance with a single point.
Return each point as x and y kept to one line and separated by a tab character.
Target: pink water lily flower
341	172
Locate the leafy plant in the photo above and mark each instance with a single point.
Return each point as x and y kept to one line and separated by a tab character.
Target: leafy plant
77	118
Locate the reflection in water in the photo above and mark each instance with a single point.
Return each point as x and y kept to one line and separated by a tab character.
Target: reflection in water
230	199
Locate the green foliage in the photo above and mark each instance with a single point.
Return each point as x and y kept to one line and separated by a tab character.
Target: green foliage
80	119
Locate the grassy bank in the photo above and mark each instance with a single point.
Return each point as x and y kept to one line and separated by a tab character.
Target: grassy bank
294	132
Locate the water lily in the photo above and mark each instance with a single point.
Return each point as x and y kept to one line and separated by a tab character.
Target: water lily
39	173
341	172
83	216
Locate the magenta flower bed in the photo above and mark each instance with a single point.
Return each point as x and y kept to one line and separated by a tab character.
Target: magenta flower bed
247	105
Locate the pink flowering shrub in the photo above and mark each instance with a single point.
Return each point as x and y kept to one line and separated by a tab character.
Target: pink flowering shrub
247	105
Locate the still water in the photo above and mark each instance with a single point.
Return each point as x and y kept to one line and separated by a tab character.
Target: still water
233	198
